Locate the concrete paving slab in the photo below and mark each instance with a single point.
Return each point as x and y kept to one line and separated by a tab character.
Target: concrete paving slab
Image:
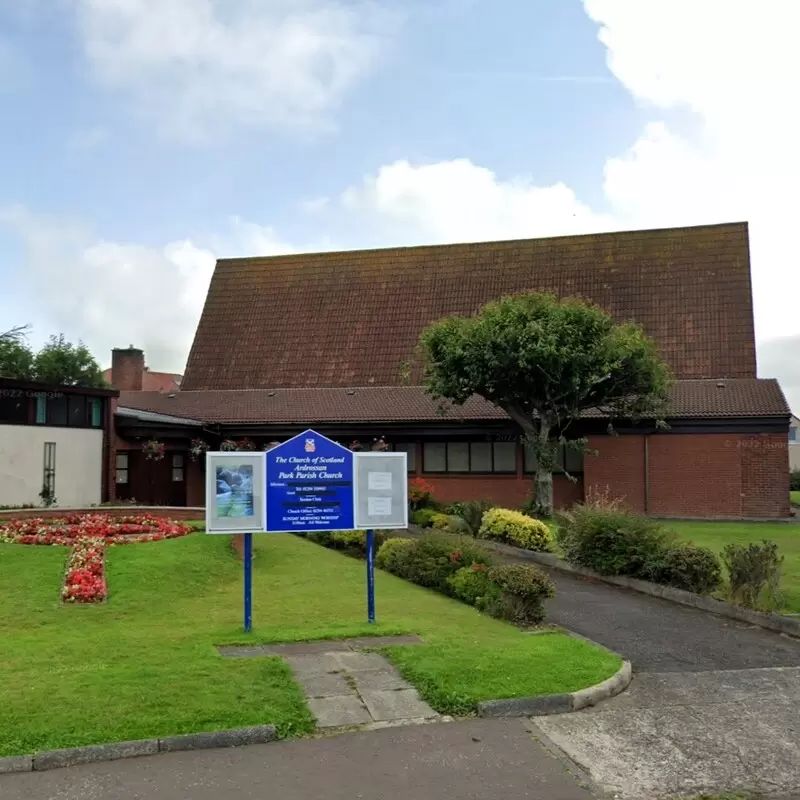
359	662
328	685
403	704
470	760
322	664
339	711
683	734
386	680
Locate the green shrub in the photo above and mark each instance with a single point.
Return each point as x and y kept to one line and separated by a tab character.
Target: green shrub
472	513
423	517
513	527
686	566
611	540
430	560
794	480
391	554
523	590
354	543
325	538
754	572
472	585
440	522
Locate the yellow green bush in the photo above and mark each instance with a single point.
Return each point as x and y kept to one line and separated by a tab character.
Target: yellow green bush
512	527
441	522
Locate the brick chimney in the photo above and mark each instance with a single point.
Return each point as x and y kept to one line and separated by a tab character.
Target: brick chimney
127	369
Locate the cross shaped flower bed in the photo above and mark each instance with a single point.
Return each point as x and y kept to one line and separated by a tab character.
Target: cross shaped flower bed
88	535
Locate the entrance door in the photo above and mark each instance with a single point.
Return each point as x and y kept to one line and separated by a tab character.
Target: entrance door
154	483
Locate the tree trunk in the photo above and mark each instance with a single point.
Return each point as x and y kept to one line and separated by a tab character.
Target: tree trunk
544	471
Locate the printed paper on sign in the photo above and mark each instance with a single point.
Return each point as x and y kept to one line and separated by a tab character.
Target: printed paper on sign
379	506
380	481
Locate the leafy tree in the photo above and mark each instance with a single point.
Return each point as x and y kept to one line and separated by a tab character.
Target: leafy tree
61	362
16	358
544	361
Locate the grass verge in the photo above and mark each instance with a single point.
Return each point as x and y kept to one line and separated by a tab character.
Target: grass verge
794	498
716	535
144	664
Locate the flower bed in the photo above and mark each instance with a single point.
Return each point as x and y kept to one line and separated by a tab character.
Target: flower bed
110	530
88	535
84	581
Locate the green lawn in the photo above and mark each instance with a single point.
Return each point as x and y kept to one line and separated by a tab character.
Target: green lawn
144	664
794	497
717	534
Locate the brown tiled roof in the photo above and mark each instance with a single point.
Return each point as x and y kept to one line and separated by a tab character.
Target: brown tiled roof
693	398
352	318
154	381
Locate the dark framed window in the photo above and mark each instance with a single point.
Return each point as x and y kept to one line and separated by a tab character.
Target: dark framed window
122	467
13	408
49	476
410	449
567	460
177	467
76	403
470	457
58	410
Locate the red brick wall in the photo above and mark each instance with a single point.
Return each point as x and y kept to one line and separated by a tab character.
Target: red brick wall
695	475
508	490
765	475
618	468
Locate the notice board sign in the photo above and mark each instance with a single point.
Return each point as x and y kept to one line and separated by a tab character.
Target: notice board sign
235	492
309	483
381	490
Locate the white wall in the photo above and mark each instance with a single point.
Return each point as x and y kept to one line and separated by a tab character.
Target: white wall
794	446
79	465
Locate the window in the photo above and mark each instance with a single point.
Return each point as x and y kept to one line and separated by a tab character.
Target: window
41	410
96	412
434	457
793	435
565	457
76	403
57	410
475	457
177	467
49	477
410	449
13	408
122	467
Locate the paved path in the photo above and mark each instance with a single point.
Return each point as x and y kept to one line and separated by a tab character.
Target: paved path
345	687
470	760
714	704
683	734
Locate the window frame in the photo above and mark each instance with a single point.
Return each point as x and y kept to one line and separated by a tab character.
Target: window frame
559	468
118	470
178	468
492	471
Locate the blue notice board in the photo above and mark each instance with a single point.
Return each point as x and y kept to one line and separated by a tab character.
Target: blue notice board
309	485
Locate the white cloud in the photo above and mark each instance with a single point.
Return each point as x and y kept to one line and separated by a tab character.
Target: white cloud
111	294
454	201
197	66
735	68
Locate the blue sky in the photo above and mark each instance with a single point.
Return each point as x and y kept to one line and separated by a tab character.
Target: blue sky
142	139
